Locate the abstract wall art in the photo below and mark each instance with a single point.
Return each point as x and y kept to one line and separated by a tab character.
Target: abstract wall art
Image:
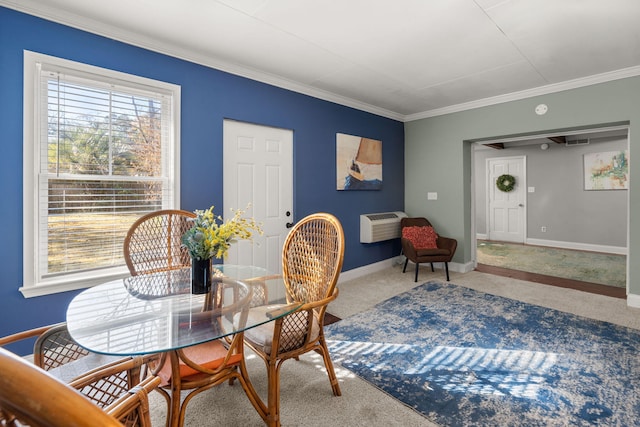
606	171
358	163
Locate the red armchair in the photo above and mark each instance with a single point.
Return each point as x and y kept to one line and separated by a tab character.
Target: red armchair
421	244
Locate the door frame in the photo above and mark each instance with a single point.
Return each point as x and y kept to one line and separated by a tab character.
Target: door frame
522	184
278	224
478	142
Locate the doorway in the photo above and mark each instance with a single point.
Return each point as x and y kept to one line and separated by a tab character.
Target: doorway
258	172
560	211
506	209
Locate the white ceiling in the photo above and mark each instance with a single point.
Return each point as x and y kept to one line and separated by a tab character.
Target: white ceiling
403	59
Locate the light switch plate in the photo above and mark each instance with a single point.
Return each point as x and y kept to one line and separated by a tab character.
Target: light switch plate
531	189
432	196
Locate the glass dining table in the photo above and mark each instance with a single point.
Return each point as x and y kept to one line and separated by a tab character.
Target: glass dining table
157	314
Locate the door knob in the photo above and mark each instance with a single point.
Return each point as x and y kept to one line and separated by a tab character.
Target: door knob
289	224
521	205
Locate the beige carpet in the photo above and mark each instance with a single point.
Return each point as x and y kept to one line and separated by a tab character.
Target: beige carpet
306	398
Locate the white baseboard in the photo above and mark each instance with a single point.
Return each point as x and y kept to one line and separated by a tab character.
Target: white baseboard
633	300
579	246
618	250
367	269
462	268
381	265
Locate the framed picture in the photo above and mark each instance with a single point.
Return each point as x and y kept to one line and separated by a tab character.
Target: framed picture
358	163
606	171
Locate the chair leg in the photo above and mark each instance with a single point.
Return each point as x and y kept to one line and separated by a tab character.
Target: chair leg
432	270
406	261
273	393
446	269
324	351
417	265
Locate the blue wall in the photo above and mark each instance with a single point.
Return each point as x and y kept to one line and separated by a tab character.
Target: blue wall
208	97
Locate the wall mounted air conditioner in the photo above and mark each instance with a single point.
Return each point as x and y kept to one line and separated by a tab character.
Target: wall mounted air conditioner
377	227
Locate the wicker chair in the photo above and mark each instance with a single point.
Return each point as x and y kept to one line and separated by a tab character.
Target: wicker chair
154	242
311	260
443	251
103	379
55	349
31	396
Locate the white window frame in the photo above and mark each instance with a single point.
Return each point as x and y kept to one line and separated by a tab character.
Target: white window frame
34	284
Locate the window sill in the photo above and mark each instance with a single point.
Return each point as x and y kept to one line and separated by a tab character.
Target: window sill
54	287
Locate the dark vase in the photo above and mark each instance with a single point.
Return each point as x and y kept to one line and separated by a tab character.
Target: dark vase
200	276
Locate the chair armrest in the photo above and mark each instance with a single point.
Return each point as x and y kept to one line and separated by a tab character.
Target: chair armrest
130	364
296	329
19	336
320	303
277	312
408	249
263	278
38	398
307	307
447	243
117	389
134	399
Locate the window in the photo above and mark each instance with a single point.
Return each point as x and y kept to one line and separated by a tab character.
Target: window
100	150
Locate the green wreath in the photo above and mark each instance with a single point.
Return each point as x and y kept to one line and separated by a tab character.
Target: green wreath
505	182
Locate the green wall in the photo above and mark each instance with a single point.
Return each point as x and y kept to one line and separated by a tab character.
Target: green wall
438	154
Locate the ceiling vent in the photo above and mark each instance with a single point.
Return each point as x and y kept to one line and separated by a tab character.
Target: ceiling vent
380	226
574	142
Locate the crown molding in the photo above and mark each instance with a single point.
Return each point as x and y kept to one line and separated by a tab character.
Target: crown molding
99	28
530	93
95	27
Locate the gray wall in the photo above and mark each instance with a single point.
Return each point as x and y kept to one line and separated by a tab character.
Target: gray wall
560	202
438	154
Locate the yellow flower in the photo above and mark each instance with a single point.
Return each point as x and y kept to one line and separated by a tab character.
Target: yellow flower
211	237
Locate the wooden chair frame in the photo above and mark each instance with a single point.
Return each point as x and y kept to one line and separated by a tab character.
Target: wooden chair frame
30	395
104	380
154	242
229	364
312	259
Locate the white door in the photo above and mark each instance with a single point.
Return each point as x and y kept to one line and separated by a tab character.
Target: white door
506	211
258	169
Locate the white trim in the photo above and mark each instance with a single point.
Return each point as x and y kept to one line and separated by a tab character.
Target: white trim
482	143
530	93
522	187
33	282
618	250
95	27
633	300
389	263
628	242
366	269
67	284
462	268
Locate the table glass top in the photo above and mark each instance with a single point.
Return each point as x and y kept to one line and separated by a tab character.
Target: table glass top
157	312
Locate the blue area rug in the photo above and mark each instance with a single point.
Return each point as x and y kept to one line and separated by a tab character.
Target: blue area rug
466	358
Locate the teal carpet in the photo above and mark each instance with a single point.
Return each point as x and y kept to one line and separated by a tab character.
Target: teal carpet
592	267
466	358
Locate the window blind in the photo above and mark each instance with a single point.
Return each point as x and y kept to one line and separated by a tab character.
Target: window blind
103	163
